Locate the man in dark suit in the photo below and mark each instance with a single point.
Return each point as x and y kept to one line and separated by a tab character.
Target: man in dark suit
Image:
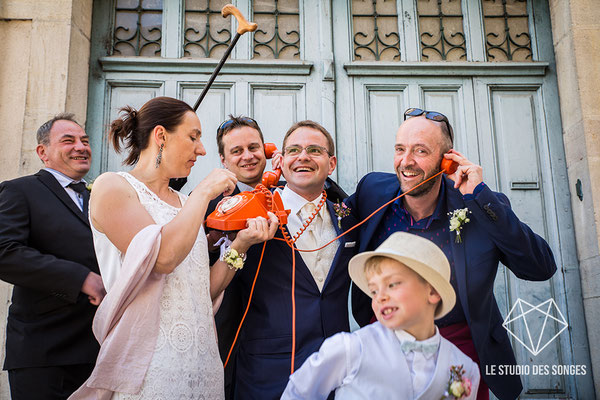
241	148
47	253
322	282
492	234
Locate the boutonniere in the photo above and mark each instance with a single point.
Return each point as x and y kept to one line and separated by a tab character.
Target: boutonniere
458	218
89	186
459	386
341	211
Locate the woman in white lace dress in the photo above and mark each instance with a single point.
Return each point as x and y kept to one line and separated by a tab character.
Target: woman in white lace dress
163	142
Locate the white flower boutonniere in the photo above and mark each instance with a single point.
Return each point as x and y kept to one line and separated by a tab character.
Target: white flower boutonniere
458	218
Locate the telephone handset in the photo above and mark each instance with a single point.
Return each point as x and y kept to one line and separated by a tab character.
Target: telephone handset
231	214
448	166
271	178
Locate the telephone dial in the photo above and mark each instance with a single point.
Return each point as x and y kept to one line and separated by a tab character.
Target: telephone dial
231	214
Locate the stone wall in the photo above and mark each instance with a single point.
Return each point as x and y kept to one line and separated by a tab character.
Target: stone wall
576	36
45	50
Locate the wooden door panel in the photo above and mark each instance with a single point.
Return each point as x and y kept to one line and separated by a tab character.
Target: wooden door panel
516	138
215	108
120	94
276	107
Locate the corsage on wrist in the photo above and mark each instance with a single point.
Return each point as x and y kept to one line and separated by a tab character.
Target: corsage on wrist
233	259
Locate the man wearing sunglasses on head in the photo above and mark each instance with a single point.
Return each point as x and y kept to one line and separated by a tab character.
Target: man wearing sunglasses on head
321	278
474	226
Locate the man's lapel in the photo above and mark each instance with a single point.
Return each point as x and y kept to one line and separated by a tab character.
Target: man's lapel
387	194
342	240
454	200
51	183
301	267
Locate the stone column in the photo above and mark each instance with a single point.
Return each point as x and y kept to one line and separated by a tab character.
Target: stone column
45	50
576	37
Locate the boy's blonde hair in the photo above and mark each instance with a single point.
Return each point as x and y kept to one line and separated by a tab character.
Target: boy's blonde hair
373	266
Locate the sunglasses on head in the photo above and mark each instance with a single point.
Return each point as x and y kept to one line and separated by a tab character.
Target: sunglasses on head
431	115
230	121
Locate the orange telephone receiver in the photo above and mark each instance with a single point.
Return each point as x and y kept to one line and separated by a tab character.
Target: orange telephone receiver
231	214
448	166
271	178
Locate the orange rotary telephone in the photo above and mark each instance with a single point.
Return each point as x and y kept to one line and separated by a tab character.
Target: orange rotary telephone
231	214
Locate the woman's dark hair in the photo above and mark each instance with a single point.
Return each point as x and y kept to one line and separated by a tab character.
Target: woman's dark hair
133	128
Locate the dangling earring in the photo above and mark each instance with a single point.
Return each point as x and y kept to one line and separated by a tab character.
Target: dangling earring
159	156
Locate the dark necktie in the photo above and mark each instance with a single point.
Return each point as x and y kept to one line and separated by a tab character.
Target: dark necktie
85	194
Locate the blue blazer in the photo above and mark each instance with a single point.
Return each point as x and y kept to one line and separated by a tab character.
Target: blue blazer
264	353
493	235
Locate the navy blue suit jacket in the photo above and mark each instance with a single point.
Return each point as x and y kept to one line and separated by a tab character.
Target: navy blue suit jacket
493	235
264	355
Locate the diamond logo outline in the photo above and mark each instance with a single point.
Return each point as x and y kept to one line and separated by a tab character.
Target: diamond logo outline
534	349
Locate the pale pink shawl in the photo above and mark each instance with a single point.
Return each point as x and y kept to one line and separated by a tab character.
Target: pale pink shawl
126	323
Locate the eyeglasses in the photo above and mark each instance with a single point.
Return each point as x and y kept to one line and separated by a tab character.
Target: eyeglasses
312	150
230	121
431	115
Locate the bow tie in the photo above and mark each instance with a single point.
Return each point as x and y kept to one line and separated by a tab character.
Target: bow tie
426	349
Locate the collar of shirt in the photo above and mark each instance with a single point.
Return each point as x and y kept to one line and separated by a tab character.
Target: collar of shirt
243	187
295	202
404	336
62	178
437	213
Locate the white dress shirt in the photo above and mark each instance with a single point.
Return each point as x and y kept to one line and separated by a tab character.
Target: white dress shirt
319	232
421	365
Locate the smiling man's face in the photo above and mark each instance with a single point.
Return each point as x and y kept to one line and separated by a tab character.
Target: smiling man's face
306	174
68	150
244	154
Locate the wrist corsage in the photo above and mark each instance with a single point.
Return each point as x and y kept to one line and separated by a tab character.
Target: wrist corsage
233	259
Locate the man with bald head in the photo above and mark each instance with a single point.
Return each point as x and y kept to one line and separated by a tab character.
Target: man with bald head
493	234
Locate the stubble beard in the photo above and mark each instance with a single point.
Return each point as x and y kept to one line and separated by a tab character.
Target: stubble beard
422	189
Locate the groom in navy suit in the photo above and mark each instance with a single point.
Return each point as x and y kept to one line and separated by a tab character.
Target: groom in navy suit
322	282
493	234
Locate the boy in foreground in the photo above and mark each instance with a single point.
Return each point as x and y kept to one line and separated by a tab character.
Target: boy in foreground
402	356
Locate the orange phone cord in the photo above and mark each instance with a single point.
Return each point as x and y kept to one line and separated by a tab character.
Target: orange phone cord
290	242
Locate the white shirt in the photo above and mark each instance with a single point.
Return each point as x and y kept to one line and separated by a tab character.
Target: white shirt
65	181
243	187
318	262
424	364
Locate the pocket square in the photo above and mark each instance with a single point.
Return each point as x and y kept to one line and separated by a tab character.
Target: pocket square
349	244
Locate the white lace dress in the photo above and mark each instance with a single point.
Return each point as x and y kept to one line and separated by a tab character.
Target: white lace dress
186	362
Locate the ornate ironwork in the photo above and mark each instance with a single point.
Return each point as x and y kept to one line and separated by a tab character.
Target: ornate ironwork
509	47
207	42
445	43
277	44
375	47
148	17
